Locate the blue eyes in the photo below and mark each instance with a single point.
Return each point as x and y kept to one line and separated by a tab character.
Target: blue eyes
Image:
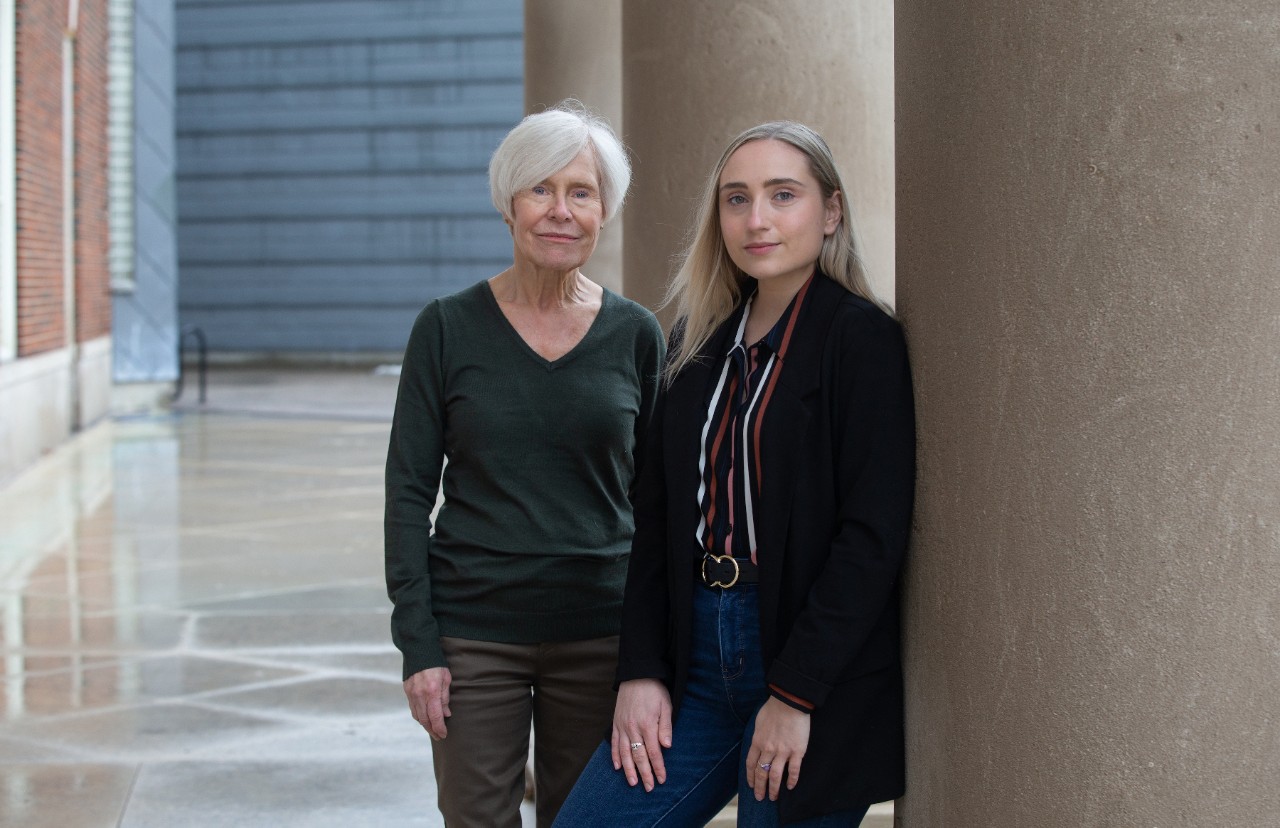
737	199
540	190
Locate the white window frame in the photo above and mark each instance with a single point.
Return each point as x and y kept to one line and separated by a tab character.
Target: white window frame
120	163
8	187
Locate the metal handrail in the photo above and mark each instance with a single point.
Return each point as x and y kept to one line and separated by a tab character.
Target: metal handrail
202	360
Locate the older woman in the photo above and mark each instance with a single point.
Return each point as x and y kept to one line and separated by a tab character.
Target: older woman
537	385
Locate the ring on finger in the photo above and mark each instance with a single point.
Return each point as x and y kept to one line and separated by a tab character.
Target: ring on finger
637	745
764	766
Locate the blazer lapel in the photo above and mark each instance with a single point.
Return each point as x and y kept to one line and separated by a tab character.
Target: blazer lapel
788	419
684	416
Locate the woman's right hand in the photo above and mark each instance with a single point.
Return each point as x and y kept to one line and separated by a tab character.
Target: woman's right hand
428	694
642	716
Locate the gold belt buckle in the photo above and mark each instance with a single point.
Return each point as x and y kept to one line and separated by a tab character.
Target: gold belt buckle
719	559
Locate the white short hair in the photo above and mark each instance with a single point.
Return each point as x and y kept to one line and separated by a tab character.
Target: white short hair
544	143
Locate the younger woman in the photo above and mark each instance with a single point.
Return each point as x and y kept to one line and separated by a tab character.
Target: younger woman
760	641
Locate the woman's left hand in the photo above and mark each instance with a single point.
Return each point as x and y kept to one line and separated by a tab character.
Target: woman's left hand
780	741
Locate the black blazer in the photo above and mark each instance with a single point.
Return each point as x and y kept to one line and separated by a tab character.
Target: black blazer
838	447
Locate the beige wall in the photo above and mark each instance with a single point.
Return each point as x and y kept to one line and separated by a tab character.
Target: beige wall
573	49
1088	226
697	72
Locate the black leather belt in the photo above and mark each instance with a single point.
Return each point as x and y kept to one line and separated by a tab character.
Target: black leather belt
723	571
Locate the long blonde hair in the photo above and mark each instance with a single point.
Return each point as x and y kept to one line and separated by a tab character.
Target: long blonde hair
708	285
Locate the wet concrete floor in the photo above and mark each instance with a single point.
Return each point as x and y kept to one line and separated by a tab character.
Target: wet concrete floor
195	630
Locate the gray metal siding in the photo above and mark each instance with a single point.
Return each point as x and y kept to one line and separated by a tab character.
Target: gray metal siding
332	163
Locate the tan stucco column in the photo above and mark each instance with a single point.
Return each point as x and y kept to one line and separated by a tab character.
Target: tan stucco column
1089	273
573	49
697	72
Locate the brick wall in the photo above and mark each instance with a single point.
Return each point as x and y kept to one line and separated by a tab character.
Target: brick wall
38	165
38	110
93	276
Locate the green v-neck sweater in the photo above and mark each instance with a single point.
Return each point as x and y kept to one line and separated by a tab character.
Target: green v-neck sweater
531	541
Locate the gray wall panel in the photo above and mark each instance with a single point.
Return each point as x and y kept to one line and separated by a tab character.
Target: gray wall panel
229	25
332	163
336	151
336	194
308	110
399	285
408	61
354	241
275	330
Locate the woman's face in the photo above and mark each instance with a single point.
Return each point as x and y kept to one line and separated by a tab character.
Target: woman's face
772	213
557	221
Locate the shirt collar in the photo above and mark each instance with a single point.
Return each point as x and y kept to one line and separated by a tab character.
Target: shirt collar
778	337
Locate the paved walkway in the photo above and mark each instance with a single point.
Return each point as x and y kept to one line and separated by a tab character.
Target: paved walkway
194	623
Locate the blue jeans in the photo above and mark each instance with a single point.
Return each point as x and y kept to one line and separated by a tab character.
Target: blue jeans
706	763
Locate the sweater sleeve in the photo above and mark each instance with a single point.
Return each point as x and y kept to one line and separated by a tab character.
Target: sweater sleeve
415	459
642	651
649	363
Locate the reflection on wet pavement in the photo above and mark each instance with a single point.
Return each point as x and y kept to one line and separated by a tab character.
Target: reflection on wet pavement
195	632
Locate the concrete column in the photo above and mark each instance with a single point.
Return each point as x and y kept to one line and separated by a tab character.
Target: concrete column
1088	239
573	49
697	72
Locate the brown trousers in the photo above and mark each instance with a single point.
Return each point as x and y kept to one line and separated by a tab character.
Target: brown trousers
564	689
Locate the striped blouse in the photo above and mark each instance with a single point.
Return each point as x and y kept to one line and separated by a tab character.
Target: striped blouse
729	465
